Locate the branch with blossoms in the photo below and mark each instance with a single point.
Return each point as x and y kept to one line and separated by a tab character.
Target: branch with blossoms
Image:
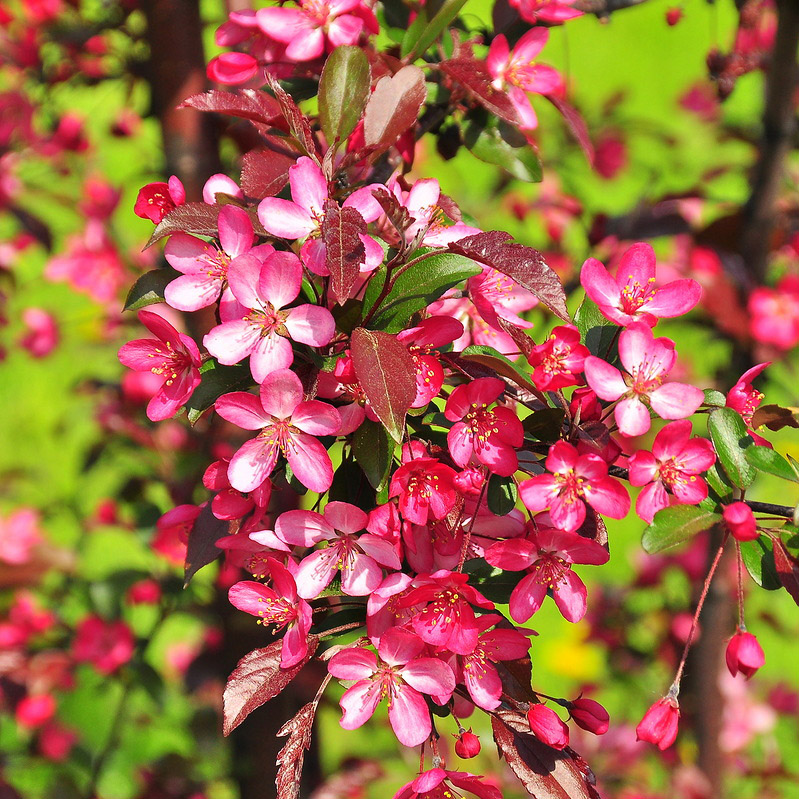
370	349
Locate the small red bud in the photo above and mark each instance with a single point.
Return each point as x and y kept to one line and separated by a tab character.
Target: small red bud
744	654
659	724
467	744
548	726
590	715
34	710
740	521
673	16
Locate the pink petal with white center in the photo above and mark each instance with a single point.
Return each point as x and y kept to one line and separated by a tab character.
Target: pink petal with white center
570	597
652	499
422	200
429	676
310	324
674	299
187	253
243	410
530	45
270	353
599	285
236	234
303	528
231	342
514	555
252	464
317	418
380	550
308	186
526	599
306	46
310	462
606	380
608	497
359	704
251	597
440	236
360	576
281	392
344	30
676	400
632	416
345	517
353	664
280	279
498	54
285	219
483	684
242	275
192	292
316	571
409	717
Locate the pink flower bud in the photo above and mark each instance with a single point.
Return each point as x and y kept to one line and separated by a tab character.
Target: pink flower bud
590	715
469	481
35	710
660	722
744	654
467	744
673	16
144	592
547	726
741	521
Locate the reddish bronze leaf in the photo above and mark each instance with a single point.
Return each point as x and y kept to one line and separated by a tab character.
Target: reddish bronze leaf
520	338
265	172
257	679
291	756
299	126
576	125
385	370
474	76
201	548
199	219
251	104
393	107
775	417
594	528
396	213
344	250
525	265
787	569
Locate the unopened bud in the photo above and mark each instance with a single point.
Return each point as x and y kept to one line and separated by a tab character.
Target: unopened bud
740	521
548	726
673	16
659	724
590	715
467	744
744	654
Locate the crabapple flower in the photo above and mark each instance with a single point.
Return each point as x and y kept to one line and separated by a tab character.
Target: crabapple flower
107	645
547	555
552	12
220	184
41	334
632	296
740	521
264	290
674	464
156	200
467	745
232	69
486	436
20	533
497	296
425	487
396	674
745	398
557	362
774	313
547	726
287	425
744	654
434	784
590	715
358	557
279	606
35	710
574	480
516	73
647	361
172	356
659	724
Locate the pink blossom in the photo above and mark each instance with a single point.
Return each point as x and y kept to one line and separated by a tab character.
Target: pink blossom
424	485
497	296
547	555
659	724
647	361
156	200
740	521
172	356
41	336
774	313
435	784
287	425
232	69
632	295
107	645
172	532
745	398
56	741
221	184
398	675
675	463
359	556
279	606
552	12
266	330
487	436
516	73
547	726
35	710
559	360
20	533
574	480
744	654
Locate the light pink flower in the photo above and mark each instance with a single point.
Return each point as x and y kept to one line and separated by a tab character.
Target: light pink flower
287	425
172	356
647	361
434	784
674	464
359	556
497	296
19	534
632	296
41	336
398	675
744	655
264	333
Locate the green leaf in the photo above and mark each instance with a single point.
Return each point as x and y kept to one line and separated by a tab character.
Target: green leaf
149	288
501	495
767	460
758	557
343	92
545	425
676	524
216	381
374	451
598	334
422	33
714	398
731	440
415	288
496	142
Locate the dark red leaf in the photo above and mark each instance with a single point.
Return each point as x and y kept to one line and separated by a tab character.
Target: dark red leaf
525	265
474	76
265	172
775	417
299	125
291	756
201	548
520	338
252	104
344	250
393	107
257	679
594	528
395	212
576	124
546	773
199	219
787	569
386	372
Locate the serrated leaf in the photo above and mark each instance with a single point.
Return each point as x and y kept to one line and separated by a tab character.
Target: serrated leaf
299	125
291	756
343	91
496	142
714	398
501	495
758	557
787	569
198	219
149	288
474	76
731	439
675	524
373	451
393	107
344	250
265	171
767	460
252	104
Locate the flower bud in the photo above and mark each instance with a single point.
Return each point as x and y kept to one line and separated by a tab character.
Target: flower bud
590	715
547	726
660	722
740	521
467	744
35	710
469	481
744	654
673	16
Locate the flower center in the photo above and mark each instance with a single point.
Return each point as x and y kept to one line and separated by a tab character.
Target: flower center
635	294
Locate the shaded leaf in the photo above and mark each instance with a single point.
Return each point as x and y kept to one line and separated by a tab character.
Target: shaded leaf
256	679
787	569
597	333
501	495
424	31
298	123
594	527
519	335
474	76
373	451
576	125
264	172
216	381
393	107
496	142
714	398
201	548
676	524
385	369
149	288
758	557
730	438
344	249
497	363
545	425
343	91
767	460
774	417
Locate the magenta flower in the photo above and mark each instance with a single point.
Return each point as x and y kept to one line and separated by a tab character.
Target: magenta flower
497	296
660	723
359	556
547	726
485	436
740	521
557	362
264	290
745	398
156	200
172	356
279	606
647	361
516	73
552	12
744	654
774	313
673	465
435	784
398	675
575	480
425	487
547	555
107	645
288	426
632	295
